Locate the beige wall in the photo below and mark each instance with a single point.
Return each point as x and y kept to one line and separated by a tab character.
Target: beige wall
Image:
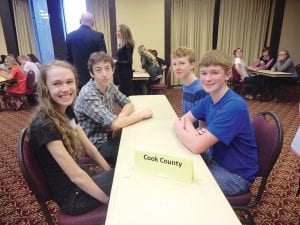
146	22
3	49
290	34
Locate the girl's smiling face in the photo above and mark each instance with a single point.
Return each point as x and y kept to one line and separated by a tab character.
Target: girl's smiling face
61	84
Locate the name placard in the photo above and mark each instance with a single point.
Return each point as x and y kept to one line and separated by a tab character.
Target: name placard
296	142
165	166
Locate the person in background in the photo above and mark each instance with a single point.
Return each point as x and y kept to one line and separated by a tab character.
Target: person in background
81	43
34	59
183	65
150	64
240	64
28	65
15	73
162	63
57	142
123	72
265	61
244	70
232	158
284	63
95	104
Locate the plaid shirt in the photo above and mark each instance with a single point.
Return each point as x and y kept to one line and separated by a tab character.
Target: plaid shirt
94	110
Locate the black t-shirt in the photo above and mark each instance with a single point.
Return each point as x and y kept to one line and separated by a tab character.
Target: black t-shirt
43	131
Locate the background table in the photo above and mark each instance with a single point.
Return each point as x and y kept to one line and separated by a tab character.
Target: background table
140	76
140	199
269	73
140	80
2	79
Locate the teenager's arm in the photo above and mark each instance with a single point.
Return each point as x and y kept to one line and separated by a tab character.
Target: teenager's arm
274	68
269	63
126	110
283	67
124	121
189	122
91	150
256	63
251	68
74	172
188	136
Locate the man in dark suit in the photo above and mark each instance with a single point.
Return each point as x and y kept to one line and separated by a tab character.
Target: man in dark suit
81	43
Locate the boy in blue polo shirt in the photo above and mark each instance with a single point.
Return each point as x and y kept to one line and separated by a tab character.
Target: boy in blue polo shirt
228	132
183	64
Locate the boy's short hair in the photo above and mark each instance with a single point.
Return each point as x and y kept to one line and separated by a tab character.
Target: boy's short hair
266	49
99	57
216	58
184	52
235	50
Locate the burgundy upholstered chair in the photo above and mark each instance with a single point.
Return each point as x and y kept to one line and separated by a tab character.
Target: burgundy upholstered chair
31	171
9	98
240	86
269	137
298	72
291	90
162	85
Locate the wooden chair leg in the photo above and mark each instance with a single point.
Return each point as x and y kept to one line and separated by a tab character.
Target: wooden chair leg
5	98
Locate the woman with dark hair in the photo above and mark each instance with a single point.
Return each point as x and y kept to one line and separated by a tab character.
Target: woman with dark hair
150	64
162	63
34	59
265	61
123	72
57	142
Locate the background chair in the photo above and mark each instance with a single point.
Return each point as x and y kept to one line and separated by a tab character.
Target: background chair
269	137
163	84
238	85
291	91
32	174
28	97
236	80
298	72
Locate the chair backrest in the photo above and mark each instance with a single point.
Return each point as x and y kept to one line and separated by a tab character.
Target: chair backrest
298	71
32	173
162	85
30	81
36	181
269	137
236	77
168	72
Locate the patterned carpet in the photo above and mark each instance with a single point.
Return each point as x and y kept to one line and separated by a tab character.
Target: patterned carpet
279	205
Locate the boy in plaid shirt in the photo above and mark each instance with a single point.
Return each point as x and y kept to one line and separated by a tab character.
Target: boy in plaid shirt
95	103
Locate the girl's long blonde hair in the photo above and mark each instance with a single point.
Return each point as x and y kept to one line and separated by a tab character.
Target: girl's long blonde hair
143	51
126	36
49	108
11	61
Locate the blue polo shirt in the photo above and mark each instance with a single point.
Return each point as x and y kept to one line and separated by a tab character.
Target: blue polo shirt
191	95
229	121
